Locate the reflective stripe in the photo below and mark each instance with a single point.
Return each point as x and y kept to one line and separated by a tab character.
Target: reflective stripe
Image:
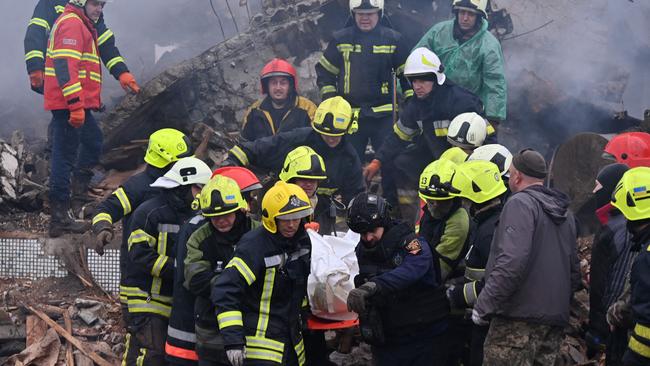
158	266
153	307
469	292
326	191
140	360
161	249
90	57
114	61
345	49
384	88
181	334
299	253
95	77
71	89
243	269
49	71
403	132
384	49
400	70
327	89
383	108
124	200
262	354
305	302
34	54
409	93
639	347
127	344
240	155
474	274
490	129
273	261
63	53
102	216
230	319
59	8
300	352
132	292
104	37
40	22
140	236
440	128
182	353
328	65
642	331
265	302
169	228
262	342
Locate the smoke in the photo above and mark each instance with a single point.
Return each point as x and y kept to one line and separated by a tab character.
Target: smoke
142	27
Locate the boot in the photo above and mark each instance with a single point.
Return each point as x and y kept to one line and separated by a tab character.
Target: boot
80	198
61	223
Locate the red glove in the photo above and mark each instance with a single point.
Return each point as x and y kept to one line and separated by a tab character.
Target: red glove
371	170
36	79
77	117
312	225
127	81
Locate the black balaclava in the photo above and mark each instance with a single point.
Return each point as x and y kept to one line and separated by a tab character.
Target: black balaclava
608	177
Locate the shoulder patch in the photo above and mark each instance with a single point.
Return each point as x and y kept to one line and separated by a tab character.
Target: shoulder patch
414	247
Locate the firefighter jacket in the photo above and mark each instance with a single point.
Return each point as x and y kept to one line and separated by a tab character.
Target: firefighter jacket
150	262
448	237
426	120
639	344
38	30
476	64
358	66
121	204
342	163
409	294
73	74
259	121
259	294
485	222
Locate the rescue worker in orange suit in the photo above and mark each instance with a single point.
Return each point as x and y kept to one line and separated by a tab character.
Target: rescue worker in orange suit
282	109
73	80
358	65
40	25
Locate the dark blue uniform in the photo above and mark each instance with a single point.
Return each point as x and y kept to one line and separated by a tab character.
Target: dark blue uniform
638	352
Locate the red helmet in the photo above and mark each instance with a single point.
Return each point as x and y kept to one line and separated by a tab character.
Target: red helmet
278	67
630	148
246	179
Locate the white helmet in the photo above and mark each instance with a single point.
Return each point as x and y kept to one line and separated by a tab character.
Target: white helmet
495	153
185	172
467	130
82	3
422	61
366	5
476	6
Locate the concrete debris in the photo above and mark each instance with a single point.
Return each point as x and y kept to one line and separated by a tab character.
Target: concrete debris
90	311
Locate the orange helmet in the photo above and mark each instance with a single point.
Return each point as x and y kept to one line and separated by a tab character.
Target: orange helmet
278	67
246	180
630	148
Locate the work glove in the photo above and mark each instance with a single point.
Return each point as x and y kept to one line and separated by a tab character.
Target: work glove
127	81
357	297
36	80
371	170
77	117
476	319
619	315
236	356
103	238
312	225
452	297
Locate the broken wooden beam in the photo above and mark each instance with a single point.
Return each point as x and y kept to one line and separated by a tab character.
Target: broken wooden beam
35	329
69	359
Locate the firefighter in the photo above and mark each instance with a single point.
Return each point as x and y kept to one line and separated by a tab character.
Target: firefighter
496	154
38	30
165	147
472	55
358	64
181	345
153	235
420	136
630	197
258	295
281	109
629	148
480	183
399	294
327	136
467	131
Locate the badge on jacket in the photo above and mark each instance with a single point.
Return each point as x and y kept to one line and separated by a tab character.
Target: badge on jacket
414	247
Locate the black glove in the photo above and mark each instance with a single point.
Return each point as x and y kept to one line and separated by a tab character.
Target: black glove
103	231
357	297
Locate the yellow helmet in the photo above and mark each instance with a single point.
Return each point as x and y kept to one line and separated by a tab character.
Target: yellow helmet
334	117
454	154
303	162
221	196
632	194
284	201
167	146
435	181
478	180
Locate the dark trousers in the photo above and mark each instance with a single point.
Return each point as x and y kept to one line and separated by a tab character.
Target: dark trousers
373	130
74	151
476	346
145	341
403	172
415	351
615	347
458	340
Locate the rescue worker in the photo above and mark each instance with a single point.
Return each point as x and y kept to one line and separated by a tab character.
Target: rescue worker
399	294
306	169
258	295
424	122
611	260
358	65
72	89
36	38
496	154
165	147
181	345
472	55
629	148
327	136
153	235
480	183
467	131
281	109
630	197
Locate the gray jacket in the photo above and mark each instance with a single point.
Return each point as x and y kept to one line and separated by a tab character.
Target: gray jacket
533	268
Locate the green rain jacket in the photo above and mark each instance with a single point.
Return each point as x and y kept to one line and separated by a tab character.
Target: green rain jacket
476	64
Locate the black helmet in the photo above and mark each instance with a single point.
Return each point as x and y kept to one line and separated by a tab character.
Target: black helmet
368	211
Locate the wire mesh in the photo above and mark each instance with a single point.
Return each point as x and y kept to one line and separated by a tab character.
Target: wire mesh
105	269
24	258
